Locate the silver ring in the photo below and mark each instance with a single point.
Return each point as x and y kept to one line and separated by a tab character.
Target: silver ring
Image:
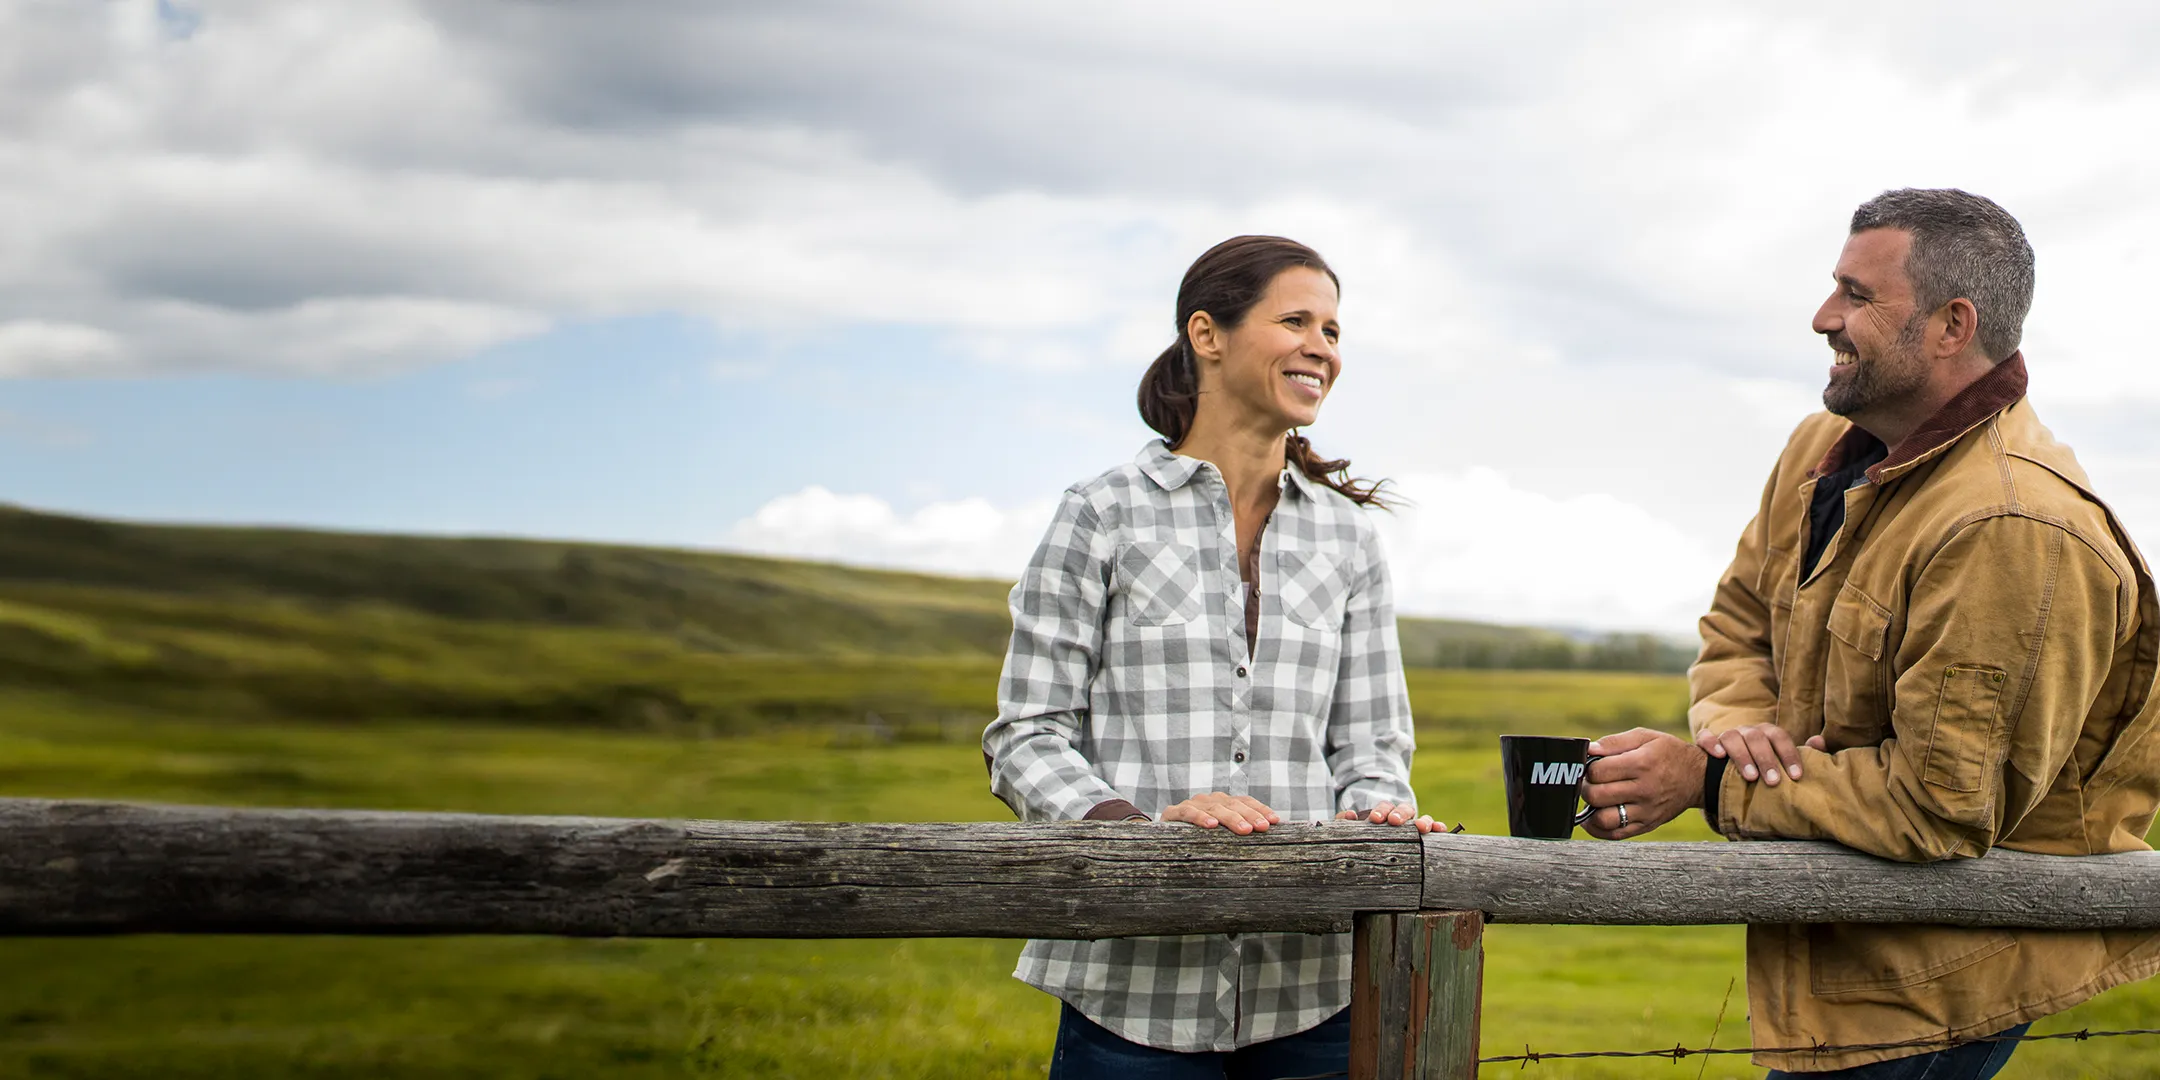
1623	815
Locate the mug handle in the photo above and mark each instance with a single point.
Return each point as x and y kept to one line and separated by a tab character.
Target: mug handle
1587	809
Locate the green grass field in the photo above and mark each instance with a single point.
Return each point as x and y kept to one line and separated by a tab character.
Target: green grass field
455	1007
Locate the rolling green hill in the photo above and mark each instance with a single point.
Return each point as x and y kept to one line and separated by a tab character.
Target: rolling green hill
706	601
336	626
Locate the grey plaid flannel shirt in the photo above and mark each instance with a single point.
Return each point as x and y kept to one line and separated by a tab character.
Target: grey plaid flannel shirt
1128	679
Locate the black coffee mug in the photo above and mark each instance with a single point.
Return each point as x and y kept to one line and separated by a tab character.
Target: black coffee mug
1544	779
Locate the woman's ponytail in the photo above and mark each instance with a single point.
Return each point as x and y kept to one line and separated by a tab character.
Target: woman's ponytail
1170	392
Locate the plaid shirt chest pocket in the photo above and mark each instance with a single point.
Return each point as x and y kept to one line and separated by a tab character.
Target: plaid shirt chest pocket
1313	589
1159	583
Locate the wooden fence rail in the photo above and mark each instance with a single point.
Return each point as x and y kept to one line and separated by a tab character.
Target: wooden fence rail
1416	902
98	867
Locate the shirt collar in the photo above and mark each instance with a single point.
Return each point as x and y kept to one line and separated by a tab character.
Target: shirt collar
1300	481
1170	470
1173	470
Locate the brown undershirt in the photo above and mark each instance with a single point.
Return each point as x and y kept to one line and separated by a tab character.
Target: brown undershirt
1249	575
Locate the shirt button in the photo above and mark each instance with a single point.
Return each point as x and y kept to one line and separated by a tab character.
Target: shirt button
1241	673
1238	757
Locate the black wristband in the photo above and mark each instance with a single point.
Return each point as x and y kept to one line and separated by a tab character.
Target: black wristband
1713	776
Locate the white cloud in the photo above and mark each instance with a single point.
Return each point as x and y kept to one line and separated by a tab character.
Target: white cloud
1777	403
334	335
1558	183
1470	544
37	347
966	536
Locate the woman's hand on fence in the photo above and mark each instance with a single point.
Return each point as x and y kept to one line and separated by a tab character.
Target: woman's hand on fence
1240	814
1655	775
1390	814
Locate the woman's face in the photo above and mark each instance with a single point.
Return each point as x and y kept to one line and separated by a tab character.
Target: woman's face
1275	368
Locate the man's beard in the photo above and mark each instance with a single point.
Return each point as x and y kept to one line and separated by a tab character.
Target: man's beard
1893	375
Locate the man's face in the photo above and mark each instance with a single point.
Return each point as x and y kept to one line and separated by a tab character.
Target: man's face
1872	327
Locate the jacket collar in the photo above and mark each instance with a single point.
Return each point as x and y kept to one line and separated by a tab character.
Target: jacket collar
1988	395
1173	471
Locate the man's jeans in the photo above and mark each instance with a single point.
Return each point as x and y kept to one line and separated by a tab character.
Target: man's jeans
1086	1051
1972	1061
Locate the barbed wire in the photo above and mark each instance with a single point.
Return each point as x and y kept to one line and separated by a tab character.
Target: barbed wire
1677	1052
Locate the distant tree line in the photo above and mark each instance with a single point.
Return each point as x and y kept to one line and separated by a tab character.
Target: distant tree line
1555	652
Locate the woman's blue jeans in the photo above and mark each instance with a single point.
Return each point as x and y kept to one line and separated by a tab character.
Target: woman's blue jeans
1087	1051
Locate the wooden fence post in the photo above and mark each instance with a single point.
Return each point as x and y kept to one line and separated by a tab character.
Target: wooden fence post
1416	986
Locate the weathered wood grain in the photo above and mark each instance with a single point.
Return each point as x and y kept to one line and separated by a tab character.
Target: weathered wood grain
89	868
1416	992
1678	884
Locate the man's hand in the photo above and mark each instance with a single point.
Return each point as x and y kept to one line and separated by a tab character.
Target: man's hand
1389	814
1760	751
1240	814
1655	775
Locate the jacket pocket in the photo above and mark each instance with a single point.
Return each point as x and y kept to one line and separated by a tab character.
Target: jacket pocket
1860	622
1856	679
1161	582
1311	588
1961	743
1854	958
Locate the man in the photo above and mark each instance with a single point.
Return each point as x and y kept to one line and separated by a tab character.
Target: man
1933	639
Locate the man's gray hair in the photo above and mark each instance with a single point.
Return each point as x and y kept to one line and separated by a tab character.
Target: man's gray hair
1962	245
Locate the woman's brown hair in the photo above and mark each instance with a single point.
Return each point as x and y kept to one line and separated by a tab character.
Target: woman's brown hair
1226	281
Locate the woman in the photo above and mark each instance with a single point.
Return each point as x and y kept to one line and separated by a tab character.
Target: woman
1206	636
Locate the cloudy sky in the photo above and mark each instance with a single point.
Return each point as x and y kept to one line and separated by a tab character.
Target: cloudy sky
874	283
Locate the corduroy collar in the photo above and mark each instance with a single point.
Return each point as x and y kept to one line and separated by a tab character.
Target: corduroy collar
1989	394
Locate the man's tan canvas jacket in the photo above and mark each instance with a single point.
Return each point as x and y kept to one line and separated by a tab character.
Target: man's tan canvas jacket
1977	646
